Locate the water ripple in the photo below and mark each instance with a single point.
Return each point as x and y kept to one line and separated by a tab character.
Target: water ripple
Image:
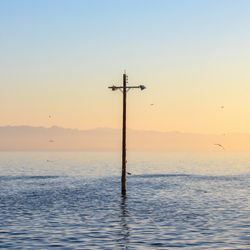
160	211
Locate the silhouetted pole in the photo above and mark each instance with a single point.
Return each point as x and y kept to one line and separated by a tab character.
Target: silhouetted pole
124	88
123	179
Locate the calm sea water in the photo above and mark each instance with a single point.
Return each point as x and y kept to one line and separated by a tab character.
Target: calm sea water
174	201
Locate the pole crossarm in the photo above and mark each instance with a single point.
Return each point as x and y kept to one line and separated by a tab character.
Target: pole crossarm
141	87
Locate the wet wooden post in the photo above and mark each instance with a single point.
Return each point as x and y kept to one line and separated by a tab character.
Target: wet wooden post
124	88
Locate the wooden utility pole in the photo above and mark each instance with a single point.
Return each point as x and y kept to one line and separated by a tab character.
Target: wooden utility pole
124	88
124	117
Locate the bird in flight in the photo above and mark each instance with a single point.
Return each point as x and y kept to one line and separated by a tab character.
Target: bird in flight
129	173
219	145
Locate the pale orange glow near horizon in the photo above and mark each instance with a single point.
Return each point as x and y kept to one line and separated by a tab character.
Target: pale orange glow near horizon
190	102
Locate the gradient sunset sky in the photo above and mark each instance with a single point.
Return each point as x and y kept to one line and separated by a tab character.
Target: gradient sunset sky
58	58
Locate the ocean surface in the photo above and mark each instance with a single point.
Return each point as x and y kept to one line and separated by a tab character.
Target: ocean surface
174	201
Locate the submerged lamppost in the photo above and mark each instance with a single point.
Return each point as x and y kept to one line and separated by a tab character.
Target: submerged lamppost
124	88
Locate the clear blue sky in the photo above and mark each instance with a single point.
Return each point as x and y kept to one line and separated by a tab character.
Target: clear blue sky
67	52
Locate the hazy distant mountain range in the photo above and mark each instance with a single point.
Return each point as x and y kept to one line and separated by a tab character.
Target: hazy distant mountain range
27	138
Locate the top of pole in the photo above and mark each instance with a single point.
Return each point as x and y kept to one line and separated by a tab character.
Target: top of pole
125	78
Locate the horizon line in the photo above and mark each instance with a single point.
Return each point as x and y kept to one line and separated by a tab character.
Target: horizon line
113	128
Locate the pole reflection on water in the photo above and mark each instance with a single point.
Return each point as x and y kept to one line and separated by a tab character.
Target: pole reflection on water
124	218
